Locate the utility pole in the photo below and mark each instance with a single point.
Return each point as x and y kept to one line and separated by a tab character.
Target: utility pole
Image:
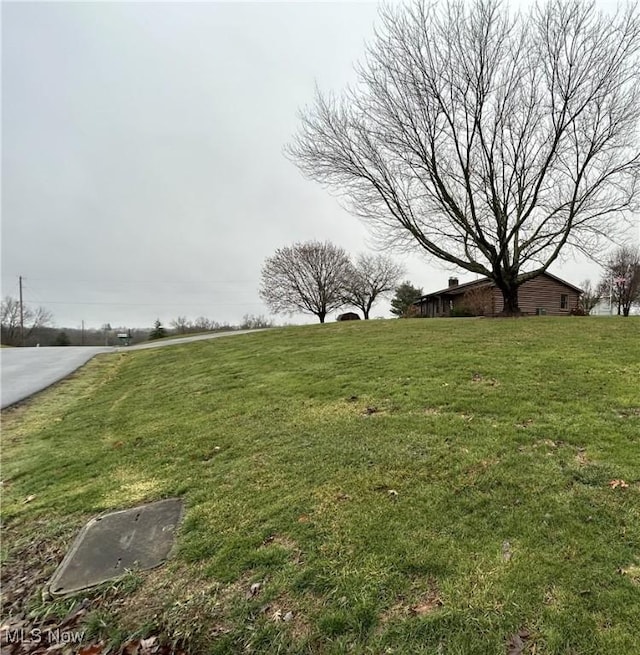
82	338
21	313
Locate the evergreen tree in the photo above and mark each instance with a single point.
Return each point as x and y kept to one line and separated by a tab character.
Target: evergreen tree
406	295
62	339
158	331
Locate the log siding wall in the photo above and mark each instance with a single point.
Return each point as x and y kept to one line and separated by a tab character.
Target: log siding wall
542	293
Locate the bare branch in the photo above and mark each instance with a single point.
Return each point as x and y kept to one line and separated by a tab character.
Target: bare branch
621	281
33	320
372	276
306	277
492	142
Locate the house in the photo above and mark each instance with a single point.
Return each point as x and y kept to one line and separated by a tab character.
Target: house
544	294
604	307
607	307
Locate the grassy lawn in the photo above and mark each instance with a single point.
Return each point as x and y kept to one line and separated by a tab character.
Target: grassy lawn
417	486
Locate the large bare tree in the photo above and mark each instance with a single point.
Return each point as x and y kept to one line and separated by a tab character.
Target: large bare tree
305	277
492	141
372	276
621	281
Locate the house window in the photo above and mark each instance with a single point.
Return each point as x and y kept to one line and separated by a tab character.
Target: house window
564	301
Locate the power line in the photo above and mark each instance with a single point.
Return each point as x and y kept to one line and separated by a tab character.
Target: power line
36	296
150	304
131	281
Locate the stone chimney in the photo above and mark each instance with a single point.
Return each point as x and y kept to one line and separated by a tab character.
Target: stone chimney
453	281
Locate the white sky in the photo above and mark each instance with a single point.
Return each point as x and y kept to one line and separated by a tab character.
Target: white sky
142	165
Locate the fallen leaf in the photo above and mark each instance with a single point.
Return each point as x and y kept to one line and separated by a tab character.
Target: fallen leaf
28	499
614	484
91	649
425	608
77	612
149	646
516	643
254	590
632	571
12	624
131	647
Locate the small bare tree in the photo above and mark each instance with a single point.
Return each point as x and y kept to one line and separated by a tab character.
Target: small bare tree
621	281
33	319
252	322
372	276
181	325
204	324
493	142
589	297
306	277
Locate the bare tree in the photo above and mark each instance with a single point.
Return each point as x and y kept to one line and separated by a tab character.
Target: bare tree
490	141
33	319
251	322
621	281
181	325
589	297
372	276
202	324
306	277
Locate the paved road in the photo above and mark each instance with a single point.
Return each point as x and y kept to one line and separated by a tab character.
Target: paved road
25	371
161	343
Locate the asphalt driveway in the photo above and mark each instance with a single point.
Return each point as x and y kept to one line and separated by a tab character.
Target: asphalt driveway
26	371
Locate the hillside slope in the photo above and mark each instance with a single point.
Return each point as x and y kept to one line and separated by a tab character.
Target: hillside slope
436	486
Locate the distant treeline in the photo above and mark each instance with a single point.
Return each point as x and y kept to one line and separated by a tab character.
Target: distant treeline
45	335
52	336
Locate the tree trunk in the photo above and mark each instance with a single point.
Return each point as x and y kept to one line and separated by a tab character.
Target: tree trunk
321	316
510	300
366	310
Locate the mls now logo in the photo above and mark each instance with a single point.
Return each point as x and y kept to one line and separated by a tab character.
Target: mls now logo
36	636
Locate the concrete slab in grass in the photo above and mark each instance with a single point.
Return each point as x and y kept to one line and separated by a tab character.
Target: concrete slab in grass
110	545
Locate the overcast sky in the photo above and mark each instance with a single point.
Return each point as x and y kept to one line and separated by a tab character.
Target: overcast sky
143	173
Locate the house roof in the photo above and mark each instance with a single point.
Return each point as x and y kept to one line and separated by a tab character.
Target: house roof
482	282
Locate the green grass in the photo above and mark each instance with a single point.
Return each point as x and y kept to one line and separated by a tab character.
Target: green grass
418	486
